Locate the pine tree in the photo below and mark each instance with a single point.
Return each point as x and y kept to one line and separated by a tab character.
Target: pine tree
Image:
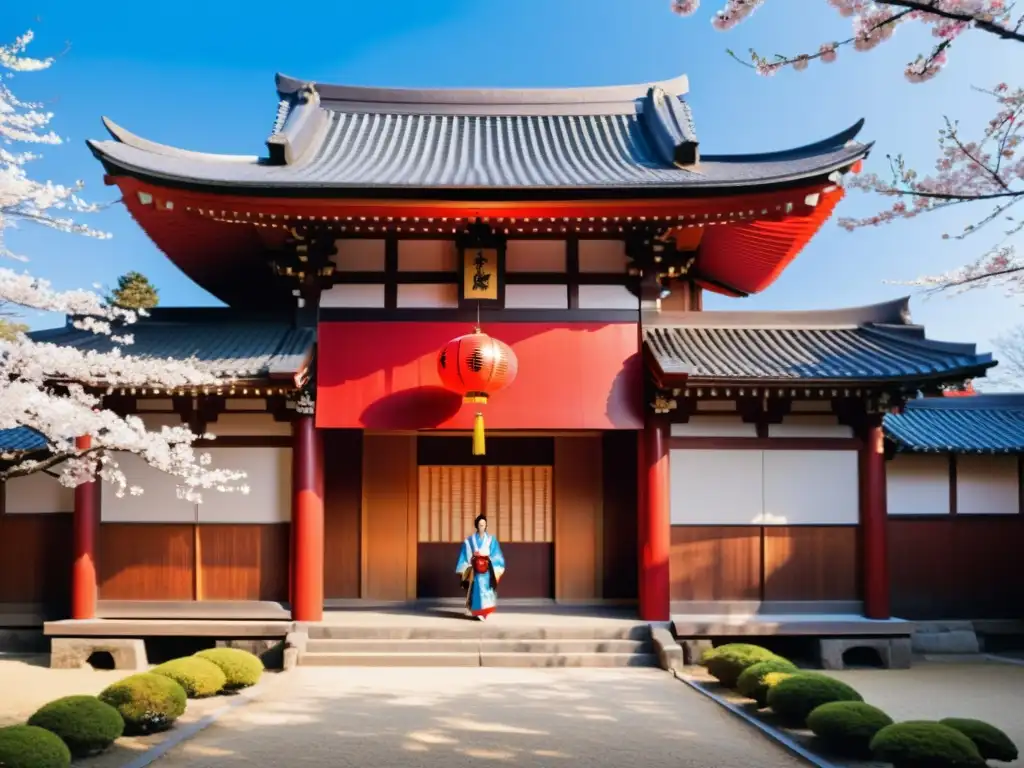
134	291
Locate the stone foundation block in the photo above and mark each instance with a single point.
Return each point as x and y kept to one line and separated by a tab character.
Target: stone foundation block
894	652
270	651
294	648
74	652
694	649
670	653
946	639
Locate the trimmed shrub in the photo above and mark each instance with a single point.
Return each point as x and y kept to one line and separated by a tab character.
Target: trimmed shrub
794	698
847	727
199	677
87	725
922	743
147	702
751	682
991	742
241	668
727	662
26	746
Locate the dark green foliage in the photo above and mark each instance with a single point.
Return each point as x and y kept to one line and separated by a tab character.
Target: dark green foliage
847	727
147	702
796	697
26	746
199	677
134	291
727	662
923	744
87	725
751	681
991	742
241	668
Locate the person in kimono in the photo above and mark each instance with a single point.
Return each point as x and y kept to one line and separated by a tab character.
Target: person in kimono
480	567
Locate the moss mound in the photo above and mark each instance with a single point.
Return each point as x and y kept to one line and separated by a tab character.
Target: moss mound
728	662
199	677
847	727
991	742
794	698
241	668
751	682
922	744
26	746
84	723
147	702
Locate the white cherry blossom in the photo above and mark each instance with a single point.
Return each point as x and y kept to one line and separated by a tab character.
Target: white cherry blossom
58	391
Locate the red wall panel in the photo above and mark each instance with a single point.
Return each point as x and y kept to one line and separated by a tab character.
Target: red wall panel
383	375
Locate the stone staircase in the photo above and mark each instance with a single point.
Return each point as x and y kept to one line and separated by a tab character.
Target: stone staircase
477	645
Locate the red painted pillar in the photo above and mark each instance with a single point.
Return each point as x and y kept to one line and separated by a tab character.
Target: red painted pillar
654	524
84	524
307	586
874	522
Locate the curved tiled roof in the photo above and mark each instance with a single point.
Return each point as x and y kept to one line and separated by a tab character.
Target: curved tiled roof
349	138
222	341
19	440
977	424
865	344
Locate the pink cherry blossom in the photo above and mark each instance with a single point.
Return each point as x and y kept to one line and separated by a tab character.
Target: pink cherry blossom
28	368
983	171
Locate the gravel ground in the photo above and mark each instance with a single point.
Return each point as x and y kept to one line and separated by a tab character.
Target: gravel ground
26	683
370	718
930	690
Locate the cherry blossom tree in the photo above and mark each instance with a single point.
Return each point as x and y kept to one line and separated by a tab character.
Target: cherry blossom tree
986	170
58	391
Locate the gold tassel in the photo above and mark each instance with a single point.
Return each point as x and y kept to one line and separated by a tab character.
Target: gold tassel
478	435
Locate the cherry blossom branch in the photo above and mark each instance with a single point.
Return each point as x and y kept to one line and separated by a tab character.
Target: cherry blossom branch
874	22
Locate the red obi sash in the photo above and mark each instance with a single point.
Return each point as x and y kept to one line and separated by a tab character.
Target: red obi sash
481	563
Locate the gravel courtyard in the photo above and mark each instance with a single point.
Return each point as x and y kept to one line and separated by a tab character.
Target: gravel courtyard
459	717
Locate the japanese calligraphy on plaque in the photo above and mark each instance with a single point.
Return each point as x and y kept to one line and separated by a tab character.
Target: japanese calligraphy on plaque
480	274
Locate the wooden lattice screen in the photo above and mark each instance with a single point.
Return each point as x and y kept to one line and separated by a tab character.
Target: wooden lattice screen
518	502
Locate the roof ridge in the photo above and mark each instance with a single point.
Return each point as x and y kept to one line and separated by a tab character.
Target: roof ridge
893	312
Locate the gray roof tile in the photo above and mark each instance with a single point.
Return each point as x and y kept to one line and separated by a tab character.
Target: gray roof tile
867	344
238	348
339	137
975	424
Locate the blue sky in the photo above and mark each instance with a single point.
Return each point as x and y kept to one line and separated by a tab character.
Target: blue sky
200	76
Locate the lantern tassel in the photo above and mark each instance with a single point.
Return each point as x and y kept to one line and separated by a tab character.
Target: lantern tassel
479	447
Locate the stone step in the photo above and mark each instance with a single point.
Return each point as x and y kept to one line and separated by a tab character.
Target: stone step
479	645
371	659
568	660
477	631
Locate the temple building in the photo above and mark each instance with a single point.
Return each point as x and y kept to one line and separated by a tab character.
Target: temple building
647	451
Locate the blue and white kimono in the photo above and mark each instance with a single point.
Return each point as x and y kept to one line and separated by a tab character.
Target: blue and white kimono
481	587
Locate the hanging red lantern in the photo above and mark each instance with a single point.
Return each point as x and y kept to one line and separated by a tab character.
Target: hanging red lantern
477	366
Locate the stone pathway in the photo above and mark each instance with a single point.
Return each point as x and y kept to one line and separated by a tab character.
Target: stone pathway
370	718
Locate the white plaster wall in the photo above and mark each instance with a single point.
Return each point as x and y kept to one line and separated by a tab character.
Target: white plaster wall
602	256
536	297
809	426
811	488
38	494
159	502
427	256
714	426
359	255
535	256
248	425
428	296
712	487
269	477
607	297
917	484
154	404
354	295
987	485
155	421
